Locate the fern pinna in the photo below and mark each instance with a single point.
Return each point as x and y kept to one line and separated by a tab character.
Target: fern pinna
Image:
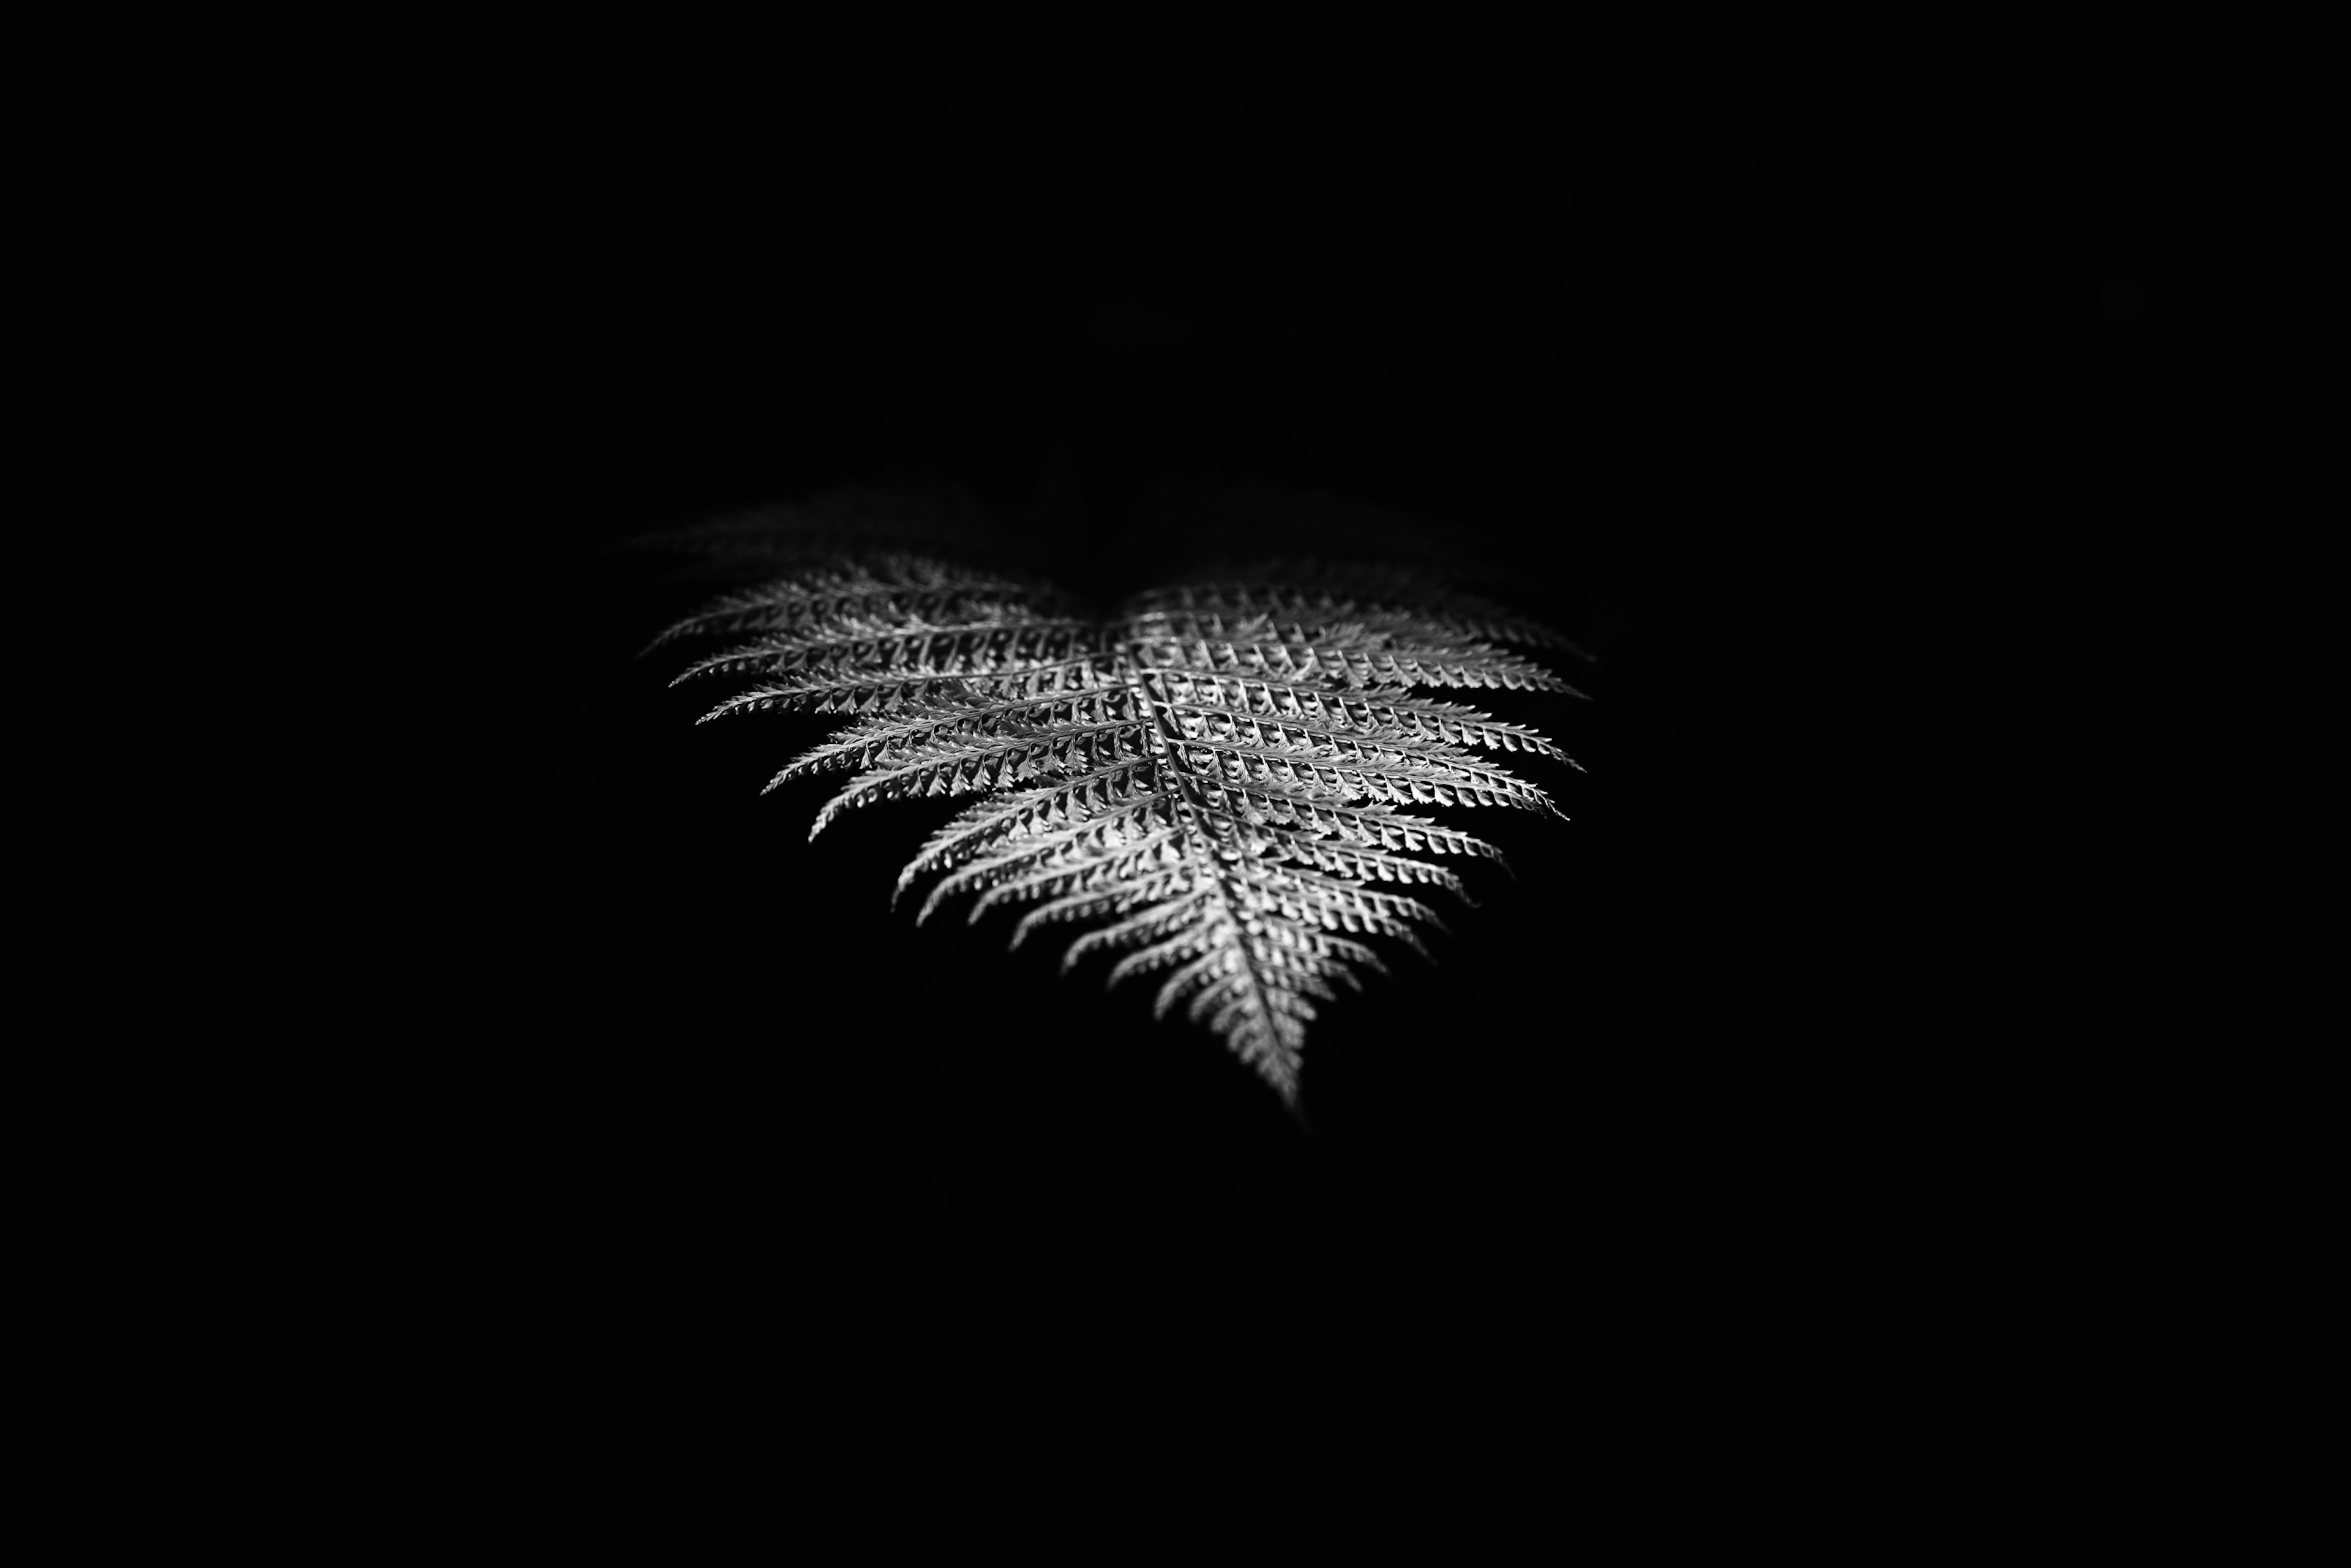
1219	777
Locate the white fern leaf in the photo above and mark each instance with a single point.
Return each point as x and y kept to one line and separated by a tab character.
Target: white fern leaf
1220	780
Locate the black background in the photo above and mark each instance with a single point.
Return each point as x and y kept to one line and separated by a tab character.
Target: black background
1698	1139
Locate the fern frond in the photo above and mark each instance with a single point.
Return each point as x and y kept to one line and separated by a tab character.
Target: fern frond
917	586
1221	781
1348	657
876	739
948	767
1129	785
1380	711
886	693
982	647
1313	594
